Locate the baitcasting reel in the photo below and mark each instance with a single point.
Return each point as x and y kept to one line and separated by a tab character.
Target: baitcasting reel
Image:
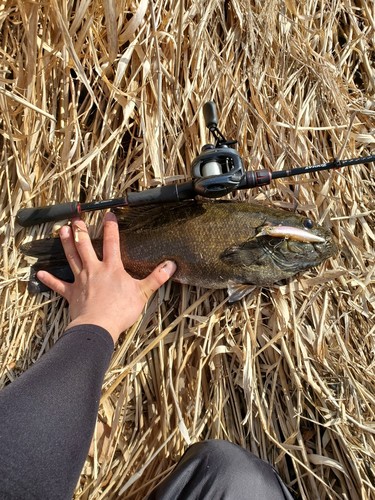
218	170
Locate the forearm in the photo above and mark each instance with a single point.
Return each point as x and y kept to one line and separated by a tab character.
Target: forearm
48	416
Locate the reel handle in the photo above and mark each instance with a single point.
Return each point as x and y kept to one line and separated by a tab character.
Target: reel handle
210	115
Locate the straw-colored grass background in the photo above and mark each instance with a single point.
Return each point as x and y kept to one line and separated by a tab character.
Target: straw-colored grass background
102	96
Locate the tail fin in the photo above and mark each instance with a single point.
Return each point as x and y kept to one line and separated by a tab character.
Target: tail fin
51	258
48	249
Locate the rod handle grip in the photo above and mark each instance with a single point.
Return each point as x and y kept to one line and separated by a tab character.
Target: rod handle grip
27	217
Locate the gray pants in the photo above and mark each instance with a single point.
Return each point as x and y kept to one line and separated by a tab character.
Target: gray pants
220	470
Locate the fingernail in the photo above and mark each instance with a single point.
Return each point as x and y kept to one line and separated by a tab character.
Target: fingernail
169	267
40	275
110	216
64	232
78	223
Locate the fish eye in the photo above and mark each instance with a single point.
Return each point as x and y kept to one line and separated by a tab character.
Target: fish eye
308	224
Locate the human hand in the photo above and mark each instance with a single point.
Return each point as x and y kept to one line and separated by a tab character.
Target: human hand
103	293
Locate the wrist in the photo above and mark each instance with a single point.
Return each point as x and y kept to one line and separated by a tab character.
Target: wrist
98	321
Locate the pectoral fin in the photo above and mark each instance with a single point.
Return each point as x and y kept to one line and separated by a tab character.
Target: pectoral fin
237	291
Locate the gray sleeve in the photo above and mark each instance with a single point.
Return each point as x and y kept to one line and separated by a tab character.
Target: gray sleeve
48	415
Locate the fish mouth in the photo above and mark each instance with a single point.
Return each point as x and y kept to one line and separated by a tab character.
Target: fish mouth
295	256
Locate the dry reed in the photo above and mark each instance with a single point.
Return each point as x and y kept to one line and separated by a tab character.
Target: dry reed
98	97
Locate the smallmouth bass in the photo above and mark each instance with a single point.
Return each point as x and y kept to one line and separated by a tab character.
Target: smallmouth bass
221	244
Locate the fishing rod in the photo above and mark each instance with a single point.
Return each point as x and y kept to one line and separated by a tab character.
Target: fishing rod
217	171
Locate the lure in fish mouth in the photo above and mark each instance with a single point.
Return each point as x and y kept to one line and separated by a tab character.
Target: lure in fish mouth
217	244
287	243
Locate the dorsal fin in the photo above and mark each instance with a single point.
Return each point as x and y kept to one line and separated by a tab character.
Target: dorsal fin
146	217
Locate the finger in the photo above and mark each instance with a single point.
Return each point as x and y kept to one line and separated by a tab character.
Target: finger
83	243
111	239
157	278
67	240
58	286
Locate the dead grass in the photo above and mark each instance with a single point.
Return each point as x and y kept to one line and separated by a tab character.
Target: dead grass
99	97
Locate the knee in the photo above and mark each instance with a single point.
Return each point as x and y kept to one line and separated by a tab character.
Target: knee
222	456
215	447
219	454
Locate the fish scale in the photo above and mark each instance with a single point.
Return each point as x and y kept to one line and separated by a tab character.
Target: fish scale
194	243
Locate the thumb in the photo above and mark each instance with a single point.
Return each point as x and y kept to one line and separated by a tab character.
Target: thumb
158	277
